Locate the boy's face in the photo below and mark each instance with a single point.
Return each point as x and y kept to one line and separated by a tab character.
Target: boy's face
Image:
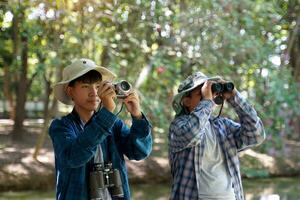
85	95
191	101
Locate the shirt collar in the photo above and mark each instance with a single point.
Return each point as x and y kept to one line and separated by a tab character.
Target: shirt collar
76	116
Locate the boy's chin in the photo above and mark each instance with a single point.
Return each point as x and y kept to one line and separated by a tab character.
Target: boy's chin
93	107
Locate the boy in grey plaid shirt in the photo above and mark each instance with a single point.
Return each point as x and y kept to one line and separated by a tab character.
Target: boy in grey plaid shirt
203	150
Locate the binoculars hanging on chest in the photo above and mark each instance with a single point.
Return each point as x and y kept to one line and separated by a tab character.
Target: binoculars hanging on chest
104	176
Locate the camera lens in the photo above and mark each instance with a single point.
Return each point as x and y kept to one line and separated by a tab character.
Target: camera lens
125	85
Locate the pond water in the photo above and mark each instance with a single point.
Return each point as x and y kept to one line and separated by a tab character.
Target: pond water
255	189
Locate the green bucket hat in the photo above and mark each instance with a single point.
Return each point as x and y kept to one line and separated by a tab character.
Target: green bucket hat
187	85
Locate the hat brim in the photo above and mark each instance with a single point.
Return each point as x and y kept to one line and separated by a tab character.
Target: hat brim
176	103
59	88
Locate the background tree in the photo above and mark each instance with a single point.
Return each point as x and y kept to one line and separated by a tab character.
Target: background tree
291	19
154	45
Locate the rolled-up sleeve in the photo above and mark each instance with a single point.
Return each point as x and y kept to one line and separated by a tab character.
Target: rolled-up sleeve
135	142
250	130
186	130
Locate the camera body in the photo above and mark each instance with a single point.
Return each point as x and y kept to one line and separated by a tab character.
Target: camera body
220	88
105	176
122	89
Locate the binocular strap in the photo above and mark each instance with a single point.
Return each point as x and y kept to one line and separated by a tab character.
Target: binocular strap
220	110
99	159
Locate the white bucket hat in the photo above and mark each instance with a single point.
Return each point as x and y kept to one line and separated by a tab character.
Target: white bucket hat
76	69
187	85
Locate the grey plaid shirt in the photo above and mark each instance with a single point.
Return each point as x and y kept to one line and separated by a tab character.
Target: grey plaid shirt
186	149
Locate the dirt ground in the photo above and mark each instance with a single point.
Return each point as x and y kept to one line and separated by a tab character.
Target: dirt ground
19	171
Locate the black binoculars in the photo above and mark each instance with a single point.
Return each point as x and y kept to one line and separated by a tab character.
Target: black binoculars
105	176
222	87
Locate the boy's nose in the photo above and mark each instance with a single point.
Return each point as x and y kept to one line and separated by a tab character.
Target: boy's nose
94	90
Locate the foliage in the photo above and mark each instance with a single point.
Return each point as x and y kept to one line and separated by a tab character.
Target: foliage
166	40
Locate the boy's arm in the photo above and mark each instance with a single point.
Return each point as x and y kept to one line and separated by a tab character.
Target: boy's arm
187	130
135	142
250	131
74	149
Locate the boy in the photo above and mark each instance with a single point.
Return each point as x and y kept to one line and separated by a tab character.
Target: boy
203	150
90	145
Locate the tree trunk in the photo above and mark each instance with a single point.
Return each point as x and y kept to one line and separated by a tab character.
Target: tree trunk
294	55
143	75
48	114
47	117
7	73
7	92
105	57
15	34
18	130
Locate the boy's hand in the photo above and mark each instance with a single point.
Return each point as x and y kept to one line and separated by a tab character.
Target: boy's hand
227	95
206	90
132	104
107	94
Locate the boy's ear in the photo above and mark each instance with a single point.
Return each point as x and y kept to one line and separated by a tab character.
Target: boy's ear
69	91
186	101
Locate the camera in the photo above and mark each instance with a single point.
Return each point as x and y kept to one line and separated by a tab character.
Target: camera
220	88
104	176
123	89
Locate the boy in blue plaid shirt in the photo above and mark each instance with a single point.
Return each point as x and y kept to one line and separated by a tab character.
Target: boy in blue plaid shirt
203	149
86	138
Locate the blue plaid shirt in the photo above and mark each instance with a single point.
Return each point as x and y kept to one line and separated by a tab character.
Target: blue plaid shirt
75	146
186	149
